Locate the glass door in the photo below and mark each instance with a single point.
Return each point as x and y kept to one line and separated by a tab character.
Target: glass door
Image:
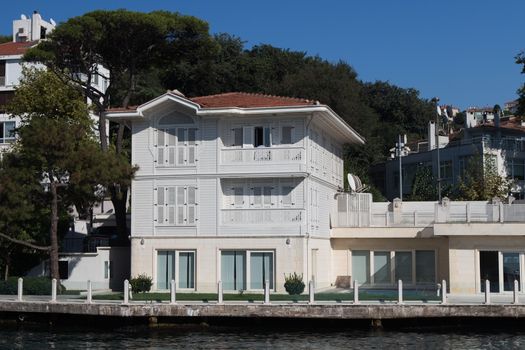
511	270
489	270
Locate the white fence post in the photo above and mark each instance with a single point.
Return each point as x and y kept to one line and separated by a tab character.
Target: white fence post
356	292
487	292
515	299
53	290
20	289
501	213
444	292
89	299
400	292
173	296
311	292
219	293
126	292
468	211
266	292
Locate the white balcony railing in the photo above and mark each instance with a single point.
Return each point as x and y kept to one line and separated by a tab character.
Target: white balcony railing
262	216
358	210
262	155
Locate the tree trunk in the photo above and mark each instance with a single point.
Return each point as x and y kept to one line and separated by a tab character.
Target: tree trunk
7	263
102	131
53	235
119	198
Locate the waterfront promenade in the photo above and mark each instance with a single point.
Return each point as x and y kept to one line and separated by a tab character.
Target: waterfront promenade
471	306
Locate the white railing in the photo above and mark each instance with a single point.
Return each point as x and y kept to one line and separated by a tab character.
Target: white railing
261	216
358	210
263	155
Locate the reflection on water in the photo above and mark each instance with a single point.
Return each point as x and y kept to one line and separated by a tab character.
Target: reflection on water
173	338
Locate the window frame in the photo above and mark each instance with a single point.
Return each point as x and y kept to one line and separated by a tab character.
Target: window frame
248	267
171	151
176	272
172	205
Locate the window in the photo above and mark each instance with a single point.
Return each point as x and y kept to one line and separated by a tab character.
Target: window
446	170
42	32
244	268
425	266
286	196
286	135
7	132
178	266
186	270
108	270
63	269
2	73
261	269
361	266
382	267
238	197
5	98
176	205
378	267
262	196
463	166
233	270
94	78
238	137
516	169
403	267
176	146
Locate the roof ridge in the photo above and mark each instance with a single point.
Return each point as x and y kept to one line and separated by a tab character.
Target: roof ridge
258	94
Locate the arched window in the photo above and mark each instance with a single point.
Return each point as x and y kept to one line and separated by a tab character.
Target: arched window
176	140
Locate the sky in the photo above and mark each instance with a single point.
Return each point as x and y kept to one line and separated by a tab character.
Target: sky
462	51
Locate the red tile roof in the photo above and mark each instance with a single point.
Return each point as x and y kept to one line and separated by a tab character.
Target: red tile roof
511	123
249	100
237	100
15	48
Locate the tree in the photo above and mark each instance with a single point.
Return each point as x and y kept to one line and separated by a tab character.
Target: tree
424	185
520	59
5	38
57	148
129	45
481	181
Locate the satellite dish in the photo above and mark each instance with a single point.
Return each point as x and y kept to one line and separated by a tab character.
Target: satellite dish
351	182
23	17
439	111
52	21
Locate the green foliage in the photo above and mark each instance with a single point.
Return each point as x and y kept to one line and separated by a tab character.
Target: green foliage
31	286
5	38
520	59
294	284
424	185
482	181
141	284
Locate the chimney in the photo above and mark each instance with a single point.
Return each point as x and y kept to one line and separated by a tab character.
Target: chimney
431	137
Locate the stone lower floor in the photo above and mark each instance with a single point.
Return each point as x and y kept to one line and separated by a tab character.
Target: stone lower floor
246	263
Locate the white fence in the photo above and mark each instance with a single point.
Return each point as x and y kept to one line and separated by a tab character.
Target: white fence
262	216
261	155
358	210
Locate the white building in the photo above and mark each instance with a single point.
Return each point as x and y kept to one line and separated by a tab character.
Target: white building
235	187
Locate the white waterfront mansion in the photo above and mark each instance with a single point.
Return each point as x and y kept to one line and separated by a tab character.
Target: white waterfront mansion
235	187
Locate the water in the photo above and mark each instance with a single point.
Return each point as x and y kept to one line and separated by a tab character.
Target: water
243	338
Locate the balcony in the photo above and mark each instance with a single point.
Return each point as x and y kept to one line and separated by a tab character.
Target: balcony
281	216
358	210
258	160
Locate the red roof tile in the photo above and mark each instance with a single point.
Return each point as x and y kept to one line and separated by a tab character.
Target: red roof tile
248	100
15	48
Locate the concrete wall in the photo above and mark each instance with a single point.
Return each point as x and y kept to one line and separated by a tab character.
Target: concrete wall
464	259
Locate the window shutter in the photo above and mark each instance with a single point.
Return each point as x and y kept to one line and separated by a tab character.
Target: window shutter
248	137
180	205
160	205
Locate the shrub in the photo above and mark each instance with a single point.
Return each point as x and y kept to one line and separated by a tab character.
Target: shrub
141	284
294	284
32	286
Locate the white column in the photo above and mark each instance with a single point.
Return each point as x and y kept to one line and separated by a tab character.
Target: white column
487	292
173	297
53	290
126	292
311	292
219	293
444	292
266	292
356	292
515	299
20	288
89	299
400	292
